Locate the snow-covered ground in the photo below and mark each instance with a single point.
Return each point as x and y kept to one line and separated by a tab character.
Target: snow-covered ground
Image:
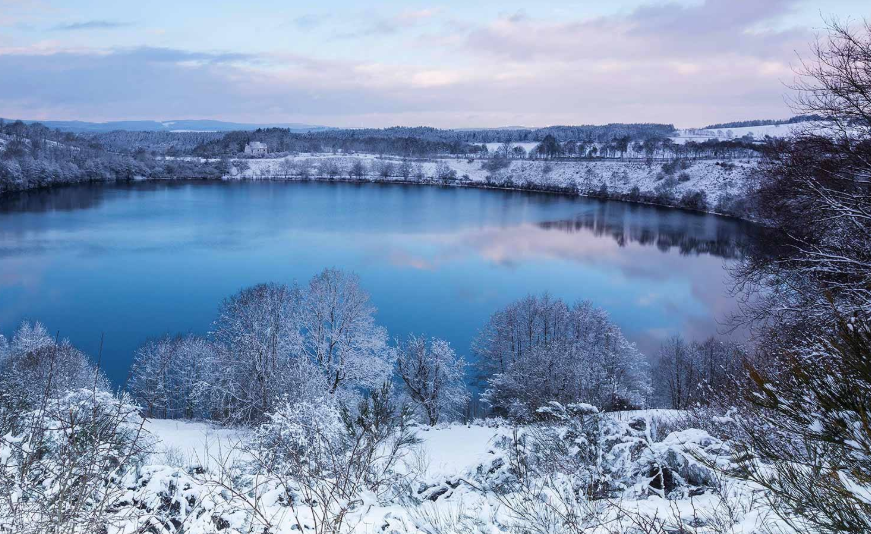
526	145
453	470
186	443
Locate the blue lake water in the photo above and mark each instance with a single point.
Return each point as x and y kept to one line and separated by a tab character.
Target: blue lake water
135	261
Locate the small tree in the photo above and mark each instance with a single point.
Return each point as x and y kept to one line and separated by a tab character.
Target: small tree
433	377
257	337
444	173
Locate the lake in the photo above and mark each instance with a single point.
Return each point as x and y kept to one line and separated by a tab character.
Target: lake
134	261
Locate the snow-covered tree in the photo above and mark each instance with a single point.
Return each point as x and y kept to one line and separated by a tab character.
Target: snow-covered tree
339	333
170	375
687	374
257	342
433	377
539	350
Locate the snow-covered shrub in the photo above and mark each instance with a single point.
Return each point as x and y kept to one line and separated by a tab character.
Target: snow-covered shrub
326	459
433	376
35	366
807	438
694	200
496	163
65	471
311	433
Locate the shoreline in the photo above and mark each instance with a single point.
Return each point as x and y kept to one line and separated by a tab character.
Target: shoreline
539	189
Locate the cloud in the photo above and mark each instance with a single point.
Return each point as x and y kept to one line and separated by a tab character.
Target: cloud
406	19
657	31
688	65
308	22
91	25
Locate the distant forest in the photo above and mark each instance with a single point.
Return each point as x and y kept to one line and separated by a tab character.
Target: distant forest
749	124
399	141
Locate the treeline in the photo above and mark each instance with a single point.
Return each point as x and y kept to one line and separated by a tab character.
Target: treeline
383	142
589	133
650	149
423	141
747	124
154	143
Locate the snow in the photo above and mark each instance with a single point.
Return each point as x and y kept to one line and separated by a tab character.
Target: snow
190	443
453	449
452	493
448	450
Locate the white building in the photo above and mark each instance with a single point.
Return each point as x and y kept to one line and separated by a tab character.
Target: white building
256	148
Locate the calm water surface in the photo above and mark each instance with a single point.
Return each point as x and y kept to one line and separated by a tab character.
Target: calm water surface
136	261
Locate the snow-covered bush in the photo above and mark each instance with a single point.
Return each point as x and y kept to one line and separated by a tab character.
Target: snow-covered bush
310	433
807	437
64	472
433	376
35	366
325	459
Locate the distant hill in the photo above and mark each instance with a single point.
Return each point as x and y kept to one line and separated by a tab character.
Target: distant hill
204	125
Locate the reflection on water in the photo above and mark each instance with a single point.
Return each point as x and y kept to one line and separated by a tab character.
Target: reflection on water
139	260
715	239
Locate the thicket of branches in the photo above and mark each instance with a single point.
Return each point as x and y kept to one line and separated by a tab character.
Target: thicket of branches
805	433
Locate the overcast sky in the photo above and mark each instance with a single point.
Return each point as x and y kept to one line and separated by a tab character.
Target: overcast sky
469	63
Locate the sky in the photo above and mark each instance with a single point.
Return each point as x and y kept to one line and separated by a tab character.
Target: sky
449	64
